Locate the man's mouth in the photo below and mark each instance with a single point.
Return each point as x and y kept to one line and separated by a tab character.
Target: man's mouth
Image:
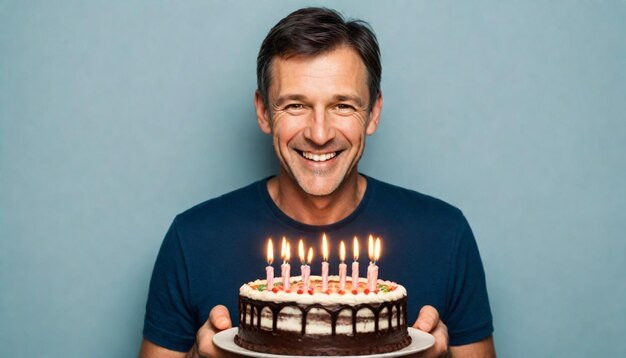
319	157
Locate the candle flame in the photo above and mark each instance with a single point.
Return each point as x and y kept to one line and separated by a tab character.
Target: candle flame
287	252
310	256
324	248
370	248
301	251
283	249
377	249
355	249
342	251
270	251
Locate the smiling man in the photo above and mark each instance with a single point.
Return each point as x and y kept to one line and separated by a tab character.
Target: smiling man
318	112
319	98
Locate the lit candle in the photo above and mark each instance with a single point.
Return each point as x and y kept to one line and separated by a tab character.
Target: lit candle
343	268
285	269
324	263
370	254
309	259
269	269
355	264
305	269
372	270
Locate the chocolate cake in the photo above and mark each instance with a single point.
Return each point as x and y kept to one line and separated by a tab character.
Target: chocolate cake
307	321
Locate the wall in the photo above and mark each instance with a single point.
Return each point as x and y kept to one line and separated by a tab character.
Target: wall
115	116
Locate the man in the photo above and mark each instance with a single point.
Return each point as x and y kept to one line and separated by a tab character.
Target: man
318	97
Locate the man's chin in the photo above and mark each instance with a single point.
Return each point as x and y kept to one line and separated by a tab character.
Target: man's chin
320	188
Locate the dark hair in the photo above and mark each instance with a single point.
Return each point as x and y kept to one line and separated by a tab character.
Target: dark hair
312	31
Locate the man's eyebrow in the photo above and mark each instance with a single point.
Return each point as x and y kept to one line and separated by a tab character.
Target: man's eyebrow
289	97
346	98
339	98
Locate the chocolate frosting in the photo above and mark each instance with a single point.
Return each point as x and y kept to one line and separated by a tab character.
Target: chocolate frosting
252	337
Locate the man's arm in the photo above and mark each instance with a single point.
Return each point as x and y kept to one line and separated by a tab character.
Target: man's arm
151	350
218	320
428	321
482	349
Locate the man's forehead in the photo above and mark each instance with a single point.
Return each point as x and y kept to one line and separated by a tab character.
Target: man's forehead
341	70
346	53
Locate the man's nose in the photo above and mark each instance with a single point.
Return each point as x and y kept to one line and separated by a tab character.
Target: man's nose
319	128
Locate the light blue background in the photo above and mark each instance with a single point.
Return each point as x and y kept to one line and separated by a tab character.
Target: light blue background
115	116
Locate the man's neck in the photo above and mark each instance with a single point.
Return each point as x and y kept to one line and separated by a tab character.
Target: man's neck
317	210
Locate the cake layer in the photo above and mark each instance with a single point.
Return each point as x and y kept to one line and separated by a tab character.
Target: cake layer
319	319
330	321
295	344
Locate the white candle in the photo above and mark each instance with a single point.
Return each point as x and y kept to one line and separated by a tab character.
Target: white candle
324	263
343	268
269	270
355	265
285	268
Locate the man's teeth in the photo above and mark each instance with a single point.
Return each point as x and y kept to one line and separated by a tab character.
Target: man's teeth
319	157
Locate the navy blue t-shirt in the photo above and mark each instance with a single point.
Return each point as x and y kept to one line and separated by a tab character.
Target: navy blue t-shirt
213	248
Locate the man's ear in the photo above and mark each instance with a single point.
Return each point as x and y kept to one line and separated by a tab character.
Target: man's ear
374	119
262	113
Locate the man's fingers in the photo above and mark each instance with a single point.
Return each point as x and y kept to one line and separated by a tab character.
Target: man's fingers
428	319
440	349
219	318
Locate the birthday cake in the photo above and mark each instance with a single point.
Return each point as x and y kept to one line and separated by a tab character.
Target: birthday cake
306	320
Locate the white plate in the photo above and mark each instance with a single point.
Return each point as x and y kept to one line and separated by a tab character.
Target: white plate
419	341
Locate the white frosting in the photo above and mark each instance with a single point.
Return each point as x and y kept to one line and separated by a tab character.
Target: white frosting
319	297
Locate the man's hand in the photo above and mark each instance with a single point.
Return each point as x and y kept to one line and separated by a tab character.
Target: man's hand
219	320
428	321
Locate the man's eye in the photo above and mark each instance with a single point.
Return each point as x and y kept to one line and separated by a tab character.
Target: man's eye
344	107
294	106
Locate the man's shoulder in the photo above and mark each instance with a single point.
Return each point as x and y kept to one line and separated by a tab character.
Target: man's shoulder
230	204
411	199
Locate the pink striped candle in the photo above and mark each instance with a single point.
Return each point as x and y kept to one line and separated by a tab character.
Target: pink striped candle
285	268
269	270
324	263
355	264
324	276
372	269
343	268
342	276
372	277
306	276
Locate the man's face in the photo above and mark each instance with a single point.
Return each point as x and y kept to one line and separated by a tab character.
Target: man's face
319	117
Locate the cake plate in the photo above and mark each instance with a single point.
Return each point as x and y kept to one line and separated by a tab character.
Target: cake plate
419	341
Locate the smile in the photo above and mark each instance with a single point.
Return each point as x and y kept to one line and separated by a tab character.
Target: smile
318	157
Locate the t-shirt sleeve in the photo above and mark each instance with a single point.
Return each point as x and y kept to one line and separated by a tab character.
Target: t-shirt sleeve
468	316
169	318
